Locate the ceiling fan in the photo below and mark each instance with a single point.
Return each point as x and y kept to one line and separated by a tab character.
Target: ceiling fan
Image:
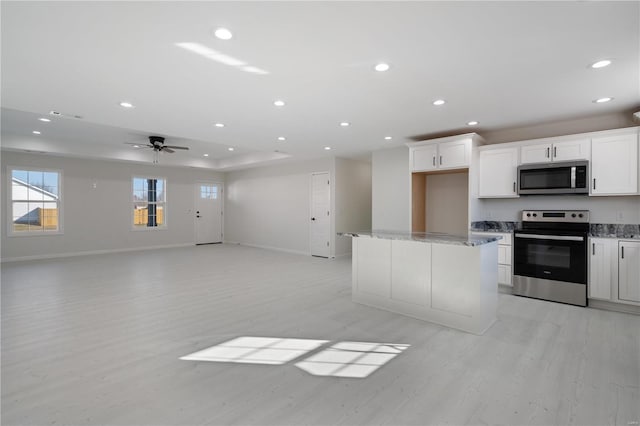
157	144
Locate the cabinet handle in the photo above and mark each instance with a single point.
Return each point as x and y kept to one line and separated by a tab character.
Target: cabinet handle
594	183
622	251
514	187
555	153
434	160
593	249
548	152
441	160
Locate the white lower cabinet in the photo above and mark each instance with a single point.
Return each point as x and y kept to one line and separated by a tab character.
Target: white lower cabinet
629	271
614	270
505	255
602	254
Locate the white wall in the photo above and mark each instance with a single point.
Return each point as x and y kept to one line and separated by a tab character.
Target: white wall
353	200
99	219
269	206
603	209
391	189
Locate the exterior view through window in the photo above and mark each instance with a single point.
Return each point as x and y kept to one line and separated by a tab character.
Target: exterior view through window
209	192
149	202
35	201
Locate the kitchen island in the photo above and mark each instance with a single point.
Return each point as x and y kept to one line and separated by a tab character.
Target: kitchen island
441	278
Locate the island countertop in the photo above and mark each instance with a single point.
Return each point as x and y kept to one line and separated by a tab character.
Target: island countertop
425	237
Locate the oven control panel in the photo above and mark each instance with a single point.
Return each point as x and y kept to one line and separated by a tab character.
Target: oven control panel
573	216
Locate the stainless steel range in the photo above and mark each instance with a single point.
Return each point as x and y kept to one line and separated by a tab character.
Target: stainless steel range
550	256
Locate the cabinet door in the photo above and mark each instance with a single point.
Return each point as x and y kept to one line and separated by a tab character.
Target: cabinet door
504	275
540	153
498	173
424	158
600	258
614	165
454	154
578	149
629	271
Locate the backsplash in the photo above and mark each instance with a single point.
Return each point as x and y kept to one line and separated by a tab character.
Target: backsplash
605	210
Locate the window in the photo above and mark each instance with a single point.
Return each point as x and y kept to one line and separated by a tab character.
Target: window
149	202
209	192
35	201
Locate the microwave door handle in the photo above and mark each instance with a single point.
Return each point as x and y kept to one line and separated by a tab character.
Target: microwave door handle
573	177
550	237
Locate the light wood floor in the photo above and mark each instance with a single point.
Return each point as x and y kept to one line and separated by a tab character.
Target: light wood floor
97	340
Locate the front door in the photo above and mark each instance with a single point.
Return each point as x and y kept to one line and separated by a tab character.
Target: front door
208	213
320	228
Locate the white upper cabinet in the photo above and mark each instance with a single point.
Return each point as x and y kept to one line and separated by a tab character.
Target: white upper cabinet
424	157
498	170
614	164
568	150
453	153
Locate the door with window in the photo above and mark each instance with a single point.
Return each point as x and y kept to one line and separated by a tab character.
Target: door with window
320	227
208	213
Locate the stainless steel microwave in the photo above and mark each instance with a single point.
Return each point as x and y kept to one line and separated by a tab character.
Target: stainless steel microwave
571	177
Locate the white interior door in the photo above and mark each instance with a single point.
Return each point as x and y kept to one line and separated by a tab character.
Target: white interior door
320	228
208	213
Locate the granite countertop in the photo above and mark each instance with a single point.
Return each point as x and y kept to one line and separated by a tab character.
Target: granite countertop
598	230
612	230
426	237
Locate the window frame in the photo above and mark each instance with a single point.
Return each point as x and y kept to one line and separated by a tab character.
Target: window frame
9	179
133	202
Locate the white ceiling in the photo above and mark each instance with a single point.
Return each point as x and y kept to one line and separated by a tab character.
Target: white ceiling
503	64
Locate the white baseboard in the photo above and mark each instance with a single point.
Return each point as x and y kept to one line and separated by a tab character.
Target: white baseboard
89	253
304	253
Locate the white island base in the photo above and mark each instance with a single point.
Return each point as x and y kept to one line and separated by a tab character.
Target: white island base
448	284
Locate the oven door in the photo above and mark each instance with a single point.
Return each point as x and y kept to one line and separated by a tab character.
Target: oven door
557	257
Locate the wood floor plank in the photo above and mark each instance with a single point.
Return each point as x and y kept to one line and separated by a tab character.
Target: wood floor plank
97	340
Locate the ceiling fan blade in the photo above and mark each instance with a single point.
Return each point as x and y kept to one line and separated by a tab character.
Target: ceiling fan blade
167	149
176	147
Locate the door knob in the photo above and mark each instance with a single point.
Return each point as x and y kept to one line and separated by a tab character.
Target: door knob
313	218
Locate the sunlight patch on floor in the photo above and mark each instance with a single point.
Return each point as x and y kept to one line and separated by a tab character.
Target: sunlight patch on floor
256	350
342	359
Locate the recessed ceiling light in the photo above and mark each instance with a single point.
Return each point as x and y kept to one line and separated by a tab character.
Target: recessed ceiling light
219	125
345	124
388	138
439	102
602	100
230	148
126	104
278	103
382	67
223	34
472	123
136	146
601	64
327	148
35	132
205	155
46	120
282	138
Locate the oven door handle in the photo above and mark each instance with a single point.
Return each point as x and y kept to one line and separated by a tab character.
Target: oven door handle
550	237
